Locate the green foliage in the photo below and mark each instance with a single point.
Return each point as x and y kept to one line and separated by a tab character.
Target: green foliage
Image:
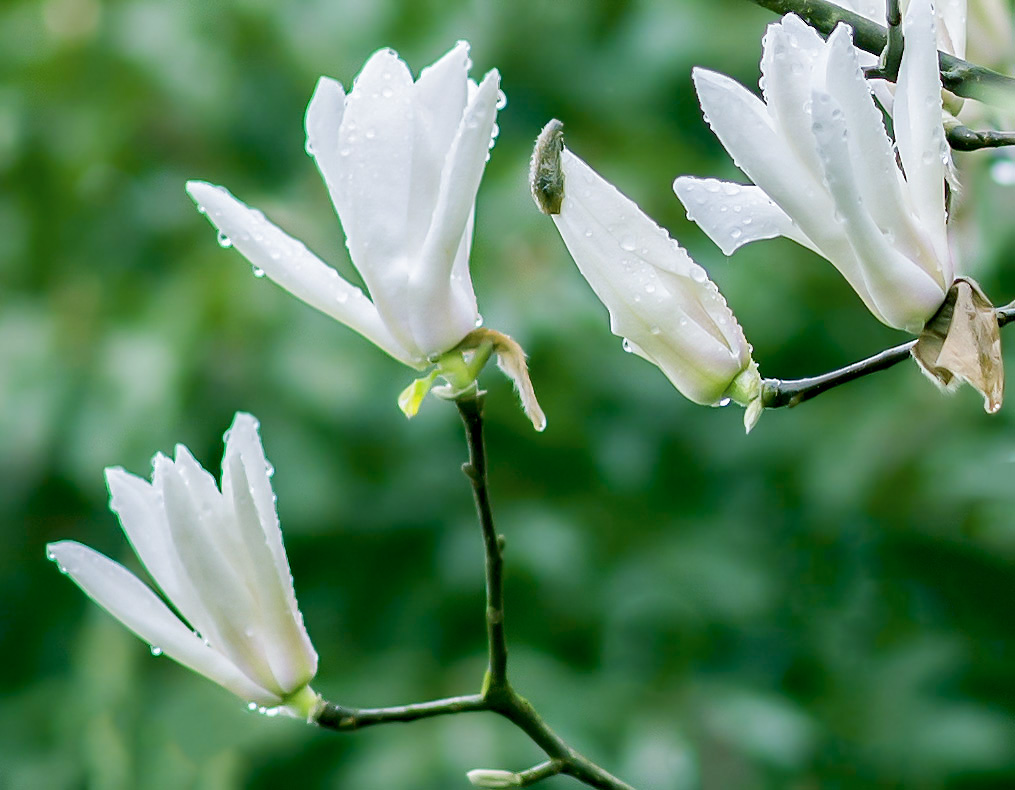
823	604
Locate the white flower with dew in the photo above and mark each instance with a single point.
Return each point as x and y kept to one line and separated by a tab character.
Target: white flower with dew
825	171
402	161
660	301
217	556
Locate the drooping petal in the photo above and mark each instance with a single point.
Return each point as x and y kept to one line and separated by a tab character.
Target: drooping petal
439	99
902	295
659	300
735	214
134	604
446	324
246	484
918	127
224	593
290	264
322	123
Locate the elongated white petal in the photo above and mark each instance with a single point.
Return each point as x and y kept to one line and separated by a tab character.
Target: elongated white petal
133	603
246	484
322	123
143	519
734	214
951	31
439	99
442	322
222	590
918	126
870	148
658	298
790	50
742	124
290	264
901	293
375	142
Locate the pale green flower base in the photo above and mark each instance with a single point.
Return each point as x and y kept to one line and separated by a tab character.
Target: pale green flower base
304	703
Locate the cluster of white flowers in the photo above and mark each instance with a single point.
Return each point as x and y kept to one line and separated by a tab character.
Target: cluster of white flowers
402	161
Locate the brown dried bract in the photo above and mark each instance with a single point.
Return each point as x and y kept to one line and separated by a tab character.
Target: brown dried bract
962	342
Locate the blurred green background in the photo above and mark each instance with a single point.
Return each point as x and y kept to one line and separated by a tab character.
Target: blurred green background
824	604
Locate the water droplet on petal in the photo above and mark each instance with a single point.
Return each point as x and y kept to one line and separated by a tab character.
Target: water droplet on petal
224	240
479	320
259	273
501	100
308	148
626	345
156	651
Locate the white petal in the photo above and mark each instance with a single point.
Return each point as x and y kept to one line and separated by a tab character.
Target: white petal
143	520
742	124
902	295
133	603
246	483
658	298
951	28
734	214
791	49
226	595
918	126
880	181
322	123
375	141
290	264
439	99
446	323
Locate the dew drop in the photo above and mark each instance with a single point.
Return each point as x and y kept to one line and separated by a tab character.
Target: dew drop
259	273
224	240
308	148
628	243
656	331
387	93
736	233
724	402
626	345
156	651
251	706
370	134
698	274
501	100
479	320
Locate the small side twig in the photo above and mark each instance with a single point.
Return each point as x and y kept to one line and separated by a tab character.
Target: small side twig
891	55
344	719
962	138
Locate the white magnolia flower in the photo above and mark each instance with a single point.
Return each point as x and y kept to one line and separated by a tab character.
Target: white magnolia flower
660	301
825	169
402	161
218	558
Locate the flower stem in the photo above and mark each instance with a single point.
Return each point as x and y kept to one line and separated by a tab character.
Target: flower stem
777	393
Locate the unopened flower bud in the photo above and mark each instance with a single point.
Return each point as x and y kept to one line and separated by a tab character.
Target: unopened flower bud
490	779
